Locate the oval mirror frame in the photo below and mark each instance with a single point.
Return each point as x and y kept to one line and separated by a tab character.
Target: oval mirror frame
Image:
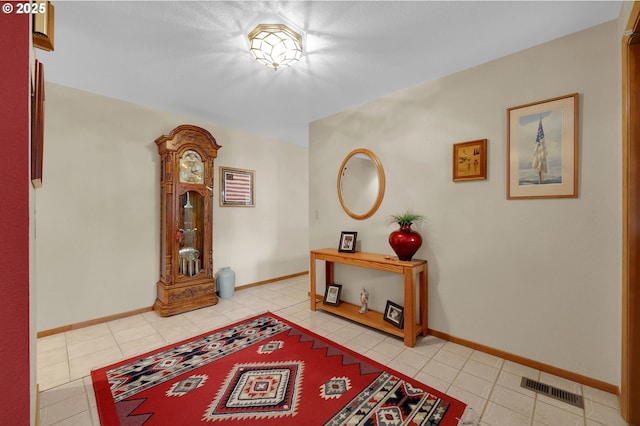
381	183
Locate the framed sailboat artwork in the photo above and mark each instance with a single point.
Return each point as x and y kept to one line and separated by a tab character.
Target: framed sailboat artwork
542	149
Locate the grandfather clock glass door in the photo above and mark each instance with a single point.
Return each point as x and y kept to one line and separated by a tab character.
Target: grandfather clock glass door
190	233
186	232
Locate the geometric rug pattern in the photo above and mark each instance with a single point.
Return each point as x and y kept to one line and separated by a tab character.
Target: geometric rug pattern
267	371
258	391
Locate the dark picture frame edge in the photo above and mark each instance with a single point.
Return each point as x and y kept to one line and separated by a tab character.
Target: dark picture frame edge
394	314
332	294
347	242
37	125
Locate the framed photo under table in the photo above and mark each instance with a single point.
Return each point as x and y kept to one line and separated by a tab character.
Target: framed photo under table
542	149
332	294
394	314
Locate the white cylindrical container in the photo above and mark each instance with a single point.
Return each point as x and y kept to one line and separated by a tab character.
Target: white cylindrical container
226	282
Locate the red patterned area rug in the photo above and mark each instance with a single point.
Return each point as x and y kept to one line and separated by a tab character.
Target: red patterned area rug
267	371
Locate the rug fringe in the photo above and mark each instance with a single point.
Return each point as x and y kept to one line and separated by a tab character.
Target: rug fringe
469	418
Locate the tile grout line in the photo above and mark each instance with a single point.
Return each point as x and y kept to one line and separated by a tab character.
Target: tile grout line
457	374
493	386
535	404
88	397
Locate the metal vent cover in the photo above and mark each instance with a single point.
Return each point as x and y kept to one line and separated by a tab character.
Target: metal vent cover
553	392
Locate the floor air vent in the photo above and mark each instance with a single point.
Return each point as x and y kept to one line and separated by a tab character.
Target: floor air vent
552	392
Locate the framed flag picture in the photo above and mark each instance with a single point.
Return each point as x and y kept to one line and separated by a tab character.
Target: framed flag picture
542	149
237	187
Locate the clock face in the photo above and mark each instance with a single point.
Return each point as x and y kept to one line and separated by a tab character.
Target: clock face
191	168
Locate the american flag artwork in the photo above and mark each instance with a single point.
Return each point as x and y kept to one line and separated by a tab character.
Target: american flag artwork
539	161
237	187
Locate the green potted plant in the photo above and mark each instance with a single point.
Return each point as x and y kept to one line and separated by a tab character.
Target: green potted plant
404	241
406	218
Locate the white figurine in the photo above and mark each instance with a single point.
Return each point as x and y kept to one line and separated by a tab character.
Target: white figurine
364	299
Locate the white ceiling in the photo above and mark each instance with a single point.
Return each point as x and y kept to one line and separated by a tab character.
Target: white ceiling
192	57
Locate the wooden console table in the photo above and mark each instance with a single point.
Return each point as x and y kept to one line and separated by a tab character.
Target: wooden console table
372	318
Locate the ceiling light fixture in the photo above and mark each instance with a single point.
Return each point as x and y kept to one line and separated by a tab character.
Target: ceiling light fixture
275	45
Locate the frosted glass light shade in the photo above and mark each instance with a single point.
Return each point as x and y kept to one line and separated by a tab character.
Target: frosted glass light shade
275	45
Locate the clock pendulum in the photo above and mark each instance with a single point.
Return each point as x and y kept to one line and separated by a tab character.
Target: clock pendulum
189	255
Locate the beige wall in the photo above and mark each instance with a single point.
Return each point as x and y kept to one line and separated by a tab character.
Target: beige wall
536	278
97	219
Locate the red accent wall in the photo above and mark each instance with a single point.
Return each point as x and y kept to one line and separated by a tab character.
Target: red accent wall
14	219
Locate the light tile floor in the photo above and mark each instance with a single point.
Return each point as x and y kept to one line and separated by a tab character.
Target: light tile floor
489	384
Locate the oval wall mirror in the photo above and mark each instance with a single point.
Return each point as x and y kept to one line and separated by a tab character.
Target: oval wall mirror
360	183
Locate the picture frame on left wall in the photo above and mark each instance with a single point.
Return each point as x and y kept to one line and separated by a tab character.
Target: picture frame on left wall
37	125
43	25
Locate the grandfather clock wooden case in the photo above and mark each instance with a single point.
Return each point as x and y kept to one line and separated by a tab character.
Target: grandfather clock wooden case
186	220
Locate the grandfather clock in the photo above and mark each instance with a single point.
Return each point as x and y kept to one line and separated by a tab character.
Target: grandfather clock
186	220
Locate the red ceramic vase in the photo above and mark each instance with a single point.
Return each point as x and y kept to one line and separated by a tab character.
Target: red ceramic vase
405	242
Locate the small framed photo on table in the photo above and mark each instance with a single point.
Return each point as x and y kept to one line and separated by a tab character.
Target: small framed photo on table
348	242
394	314
332	294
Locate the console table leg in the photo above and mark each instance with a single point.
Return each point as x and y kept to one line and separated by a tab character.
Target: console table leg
328	272
424	298
312	282
409	308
